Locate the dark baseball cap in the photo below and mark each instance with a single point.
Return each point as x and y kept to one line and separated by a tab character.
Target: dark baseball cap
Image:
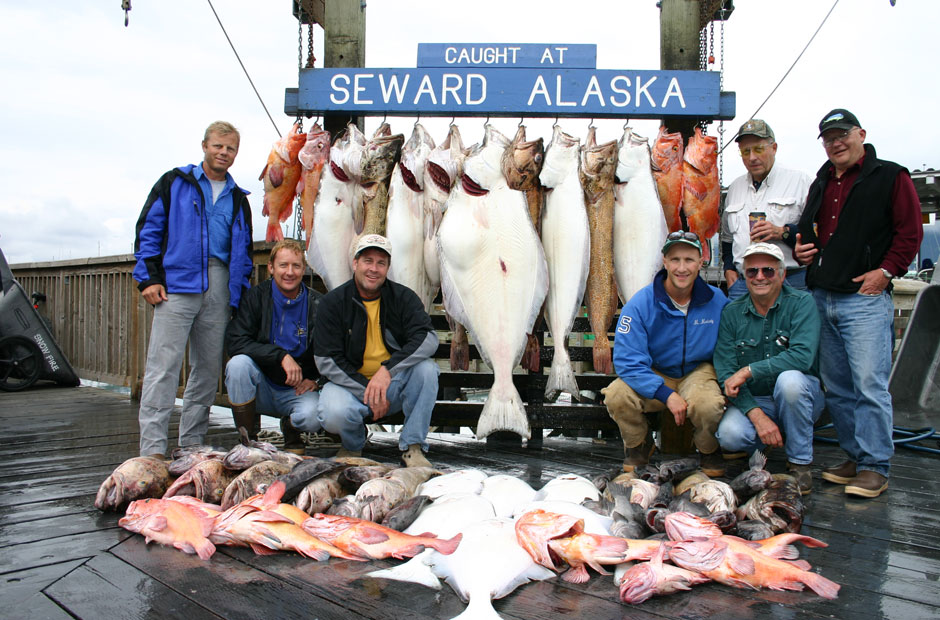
755	127
838	119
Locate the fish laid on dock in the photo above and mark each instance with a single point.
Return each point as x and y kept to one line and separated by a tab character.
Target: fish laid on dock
135	478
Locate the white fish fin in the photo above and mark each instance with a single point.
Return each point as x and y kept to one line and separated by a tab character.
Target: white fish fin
503	411
415	570
534	573
316	262
541	284
479	608
453	303
561	375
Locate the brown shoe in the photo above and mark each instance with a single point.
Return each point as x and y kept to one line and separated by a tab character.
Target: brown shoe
293	442
343	452
414	457
803	475
841	473
639	456
866	484
713	465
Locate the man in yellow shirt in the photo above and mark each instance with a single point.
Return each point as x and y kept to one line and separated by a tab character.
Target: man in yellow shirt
373	340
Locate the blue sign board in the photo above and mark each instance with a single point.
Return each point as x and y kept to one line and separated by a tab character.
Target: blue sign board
511	92
514	55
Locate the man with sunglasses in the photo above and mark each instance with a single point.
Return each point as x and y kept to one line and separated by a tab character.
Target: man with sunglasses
861	227
763	205
663	357
766	360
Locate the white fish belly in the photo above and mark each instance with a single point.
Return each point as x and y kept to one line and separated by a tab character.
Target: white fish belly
404	229
639	233
330	248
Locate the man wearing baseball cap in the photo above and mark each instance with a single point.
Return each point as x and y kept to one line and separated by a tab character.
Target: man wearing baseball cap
861	227
663	357
374	341
765	359
763	205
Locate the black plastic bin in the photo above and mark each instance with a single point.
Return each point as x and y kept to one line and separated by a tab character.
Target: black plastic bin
28	352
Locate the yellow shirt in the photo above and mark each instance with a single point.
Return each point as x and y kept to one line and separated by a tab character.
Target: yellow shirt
375	352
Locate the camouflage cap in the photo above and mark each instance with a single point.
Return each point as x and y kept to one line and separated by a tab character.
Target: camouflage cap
755	127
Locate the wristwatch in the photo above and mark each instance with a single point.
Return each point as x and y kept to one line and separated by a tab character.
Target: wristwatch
887	273
786	233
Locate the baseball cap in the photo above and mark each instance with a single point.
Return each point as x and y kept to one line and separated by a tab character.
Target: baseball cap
755	127
681	236
763	248
373	241
838	119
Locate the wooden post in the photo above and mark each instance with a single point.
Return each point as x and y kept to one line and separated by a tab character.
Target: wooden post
344	28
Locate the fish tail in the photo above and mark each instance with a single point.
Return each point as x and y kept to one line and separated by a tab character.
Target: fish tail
479	607
561	375
415	570
603	362
503	411
446	547
274	232
820	585
313	552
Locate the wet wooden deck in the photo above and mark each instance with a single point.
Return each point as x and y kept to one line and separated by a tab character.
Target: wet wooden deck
61	558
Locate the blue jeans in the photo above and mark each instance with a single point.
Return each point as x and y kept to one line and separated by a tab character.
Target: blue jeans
796	404
245	382
855	346
796	279
412	391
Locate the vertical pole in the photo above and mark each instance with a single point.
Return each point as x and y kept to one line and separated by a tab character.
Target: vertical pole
344	46
679	27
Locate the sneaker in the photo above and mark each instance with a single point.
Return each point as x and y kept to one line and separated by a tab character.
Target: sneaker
414	457
841	473
803	475
866	484
343	452
639	456
713	465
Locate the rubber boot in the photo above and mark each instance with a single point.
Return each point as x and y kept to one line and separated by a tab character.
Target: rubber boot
246	416
293	442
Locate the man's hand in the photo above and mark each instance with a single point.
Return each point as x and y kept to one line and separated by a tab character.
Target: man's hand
678	407
804	252
765	231
768	432
731	276
873	282
734	382
154	294
375	393
306	385
292	368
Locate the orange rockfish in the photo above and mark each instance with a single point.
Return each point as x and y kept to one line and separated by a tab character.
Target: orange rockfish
701	187
733	562
666	158
370	540
178	524
652	578
313	156
592	550
281	176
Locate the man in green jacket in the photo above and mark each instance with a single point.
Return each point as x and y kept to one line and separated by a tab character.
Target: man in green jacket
766	359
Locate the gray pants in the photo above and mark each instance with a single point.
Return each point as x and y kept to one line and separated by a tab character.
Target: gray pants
201	319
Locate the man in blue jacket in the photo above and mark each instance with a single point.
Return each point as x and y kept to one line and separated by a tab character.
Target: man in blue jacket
663	353
193	251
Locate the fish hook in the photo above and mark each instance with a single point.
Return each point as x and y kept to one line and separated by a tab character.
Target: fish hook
417	120
556	123
384	116
521	120
626	123
591	124
487	121
453	121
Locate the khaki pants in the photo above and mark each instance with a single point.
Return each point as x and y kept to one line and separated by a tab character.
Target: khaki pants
699	388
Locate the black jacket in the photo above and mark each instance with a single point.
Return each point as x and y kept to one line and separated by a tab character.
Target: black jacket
864	232
249	333
340	333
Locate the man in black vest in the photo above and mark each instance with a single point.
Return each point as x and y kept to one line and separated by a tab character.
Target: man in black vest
861	227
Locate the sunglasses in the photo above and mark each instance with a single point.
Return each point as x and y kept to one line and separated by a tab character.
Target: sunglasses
757	150
827	142
751	272
680	235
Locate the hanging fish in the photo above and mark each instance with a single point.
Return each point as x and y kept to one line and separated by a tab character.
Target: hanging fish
666	159
314	155
701	188
281	176
373	169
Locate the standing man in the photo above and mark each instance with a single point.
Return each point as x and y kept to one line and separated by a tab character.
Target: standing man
861	227
270	340
374	342
766	359
763	205
193	251
663	357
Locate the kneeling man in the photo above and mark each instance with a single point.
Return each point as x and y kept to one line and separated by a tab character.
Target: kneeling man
766	358
272	370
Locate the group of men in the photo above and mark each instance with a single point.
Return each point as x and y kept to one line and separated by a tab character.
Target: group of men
749	370
755	369
333	362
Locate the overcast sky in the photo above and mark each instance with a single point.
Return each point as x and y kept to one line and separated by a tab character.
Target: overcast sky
92	113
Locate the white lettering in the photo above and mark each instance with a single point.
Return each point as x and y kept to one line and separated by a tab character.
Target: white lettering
425	88
514	50
469	98
547	55
641	89
464	56
502	56
539	88
449	55
620	91
334	84
393	85
558	94
450	89
624	326
561	54
593	89
361	89
674	91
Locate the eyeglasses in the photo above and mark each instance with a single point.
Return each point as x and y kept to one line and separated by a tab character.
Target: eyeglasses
751	272
757	150
682	234
827	142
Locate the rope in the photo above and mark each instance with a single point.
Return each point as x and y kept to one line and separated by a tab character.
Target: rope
257	94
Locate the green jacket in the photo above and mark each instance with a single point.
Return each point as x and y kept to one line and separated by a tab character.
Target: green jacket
786	339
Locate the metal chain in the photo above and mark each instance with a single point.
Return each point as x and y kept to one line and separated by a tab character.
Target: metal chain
721	87
298	219
310	57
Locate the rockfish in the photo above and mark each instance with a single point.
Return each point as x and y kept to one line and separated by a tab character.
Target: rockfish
566	239
329	250
370	540
715	494
780	506
701	187
654	578
173	523
248	453
494	276
598	167
281	176
377	497
583	550
405	513
319	494
205	481
139	477
304	472
187	457
314	155
754	480
373	170
667	170
249	482
639	226
352	478
405	217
